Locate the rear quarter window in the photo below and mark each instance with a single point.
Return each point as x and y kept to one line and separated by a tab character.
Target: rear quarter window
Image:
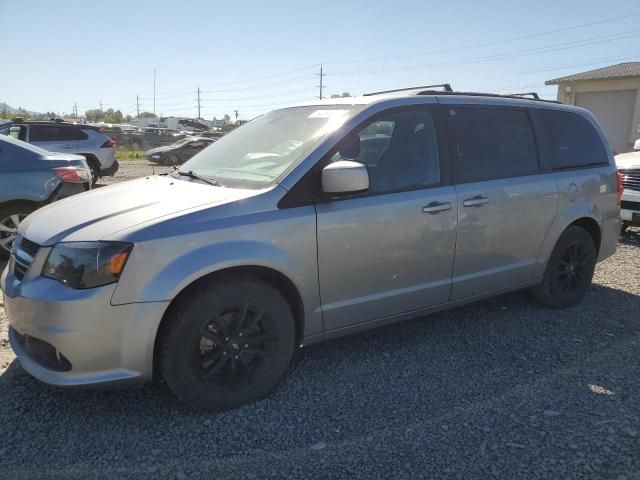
568	140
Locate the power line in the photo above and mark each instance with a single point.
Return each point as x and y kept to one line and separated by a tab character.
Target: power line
502	56
489	44
582	63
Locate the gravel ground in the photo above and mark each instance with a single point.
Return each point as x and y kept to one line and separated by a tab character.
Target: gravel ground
504	388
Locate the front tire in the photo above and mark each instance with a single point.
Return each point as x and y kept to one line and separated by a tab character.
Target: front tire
569	271
227	343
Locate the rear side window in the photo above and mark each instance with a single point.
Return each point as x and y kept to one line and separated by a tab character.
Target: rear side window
491	143
56	133
568	140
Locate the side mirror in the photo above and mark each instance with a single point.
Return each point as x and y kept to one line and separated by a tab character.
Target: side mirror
636	146
345	176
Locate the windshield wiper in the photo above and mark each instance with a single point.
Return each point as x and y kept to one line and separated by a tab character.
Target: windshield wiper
194	175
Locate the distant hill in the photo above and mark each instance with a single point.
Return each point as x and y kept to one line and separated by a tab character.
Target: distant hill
10	109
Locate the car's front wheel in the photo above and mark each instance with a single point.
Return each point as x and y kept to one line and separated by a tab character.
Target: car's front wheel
569	270
10	218
226	343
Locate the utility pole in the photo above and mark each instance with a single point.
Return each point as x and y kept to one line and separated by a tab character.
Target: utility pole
198	92
154	92
100	105
236	112
138	105
75	109
321	86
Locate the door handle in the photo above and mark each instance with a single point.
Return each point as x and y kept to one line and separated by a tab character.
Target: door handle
476	201
67	145
435	207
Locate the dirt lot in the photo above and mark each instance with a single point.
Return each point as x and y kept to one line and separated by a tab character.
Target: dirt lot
501	389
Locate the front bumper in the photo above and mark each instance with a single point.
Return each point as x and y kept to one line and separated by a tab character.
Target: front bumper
630	211
103	344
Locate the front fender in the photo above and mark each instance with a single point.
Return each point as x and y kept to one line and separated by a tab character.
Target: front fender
181	271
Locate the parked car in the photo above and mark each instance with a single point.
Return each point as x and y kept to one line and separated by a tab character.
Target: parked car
629	167
178	152
308	223
31	177
64	137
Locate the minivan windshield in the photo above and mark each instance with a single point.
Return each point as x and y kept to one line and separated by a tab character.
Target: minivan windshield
259	152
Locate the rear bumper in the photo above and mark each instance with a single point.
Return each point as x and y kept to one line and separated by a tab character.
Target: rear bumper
111	170
69	337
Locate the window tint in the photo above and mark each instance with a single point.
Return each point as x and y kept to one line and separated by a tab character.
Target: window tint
56	133
491	143
399	149
569	140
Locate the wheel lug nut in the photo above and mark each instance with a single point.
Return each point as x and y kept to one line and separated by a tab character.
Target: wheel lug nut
246	345
240	334
224	353
226	339
236	357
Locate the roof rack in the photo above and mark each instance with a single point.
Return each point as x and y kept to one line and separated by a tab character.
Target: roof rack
533	95
447	90
445	86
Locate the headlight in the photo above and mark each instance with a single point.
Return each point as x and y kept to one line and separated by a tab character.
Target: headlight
87	264
155	156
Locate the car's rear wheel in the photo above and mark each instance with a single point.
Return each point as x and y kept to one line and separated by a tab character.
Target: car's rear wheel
10	218
227	343
569	270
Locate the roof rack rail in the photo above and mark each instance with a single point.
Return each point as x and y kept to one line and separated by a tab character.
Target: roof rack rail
533	95
445	86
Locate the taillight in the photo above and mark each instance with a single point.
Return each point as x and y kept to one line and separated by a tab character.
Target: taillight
620	188
73	174
109	144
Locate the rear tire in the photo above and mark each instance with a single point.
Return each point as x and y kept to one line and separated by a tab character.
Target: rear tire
10	218
569	271
227	343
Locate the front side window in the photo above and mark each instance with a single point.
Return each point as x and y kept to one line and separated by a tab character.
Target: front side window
261	151
491	143
571	141
399	149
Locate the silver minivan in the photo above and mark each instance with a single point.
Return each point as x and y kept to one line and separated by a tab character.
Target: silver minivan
308	223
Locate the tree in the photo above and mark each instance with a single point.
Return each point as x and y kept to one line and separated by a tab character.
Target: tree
146	115
94	115
112	116
346	95
128	118
335	95
226	119
22	113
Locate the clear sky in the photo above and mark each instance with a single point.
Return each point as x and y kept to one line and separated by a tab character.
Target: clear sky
255	55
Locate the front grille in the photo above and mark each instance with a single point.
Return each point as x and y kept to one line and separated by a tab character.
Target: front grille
626	205
27	246
19	271
631	178
24	252
43	353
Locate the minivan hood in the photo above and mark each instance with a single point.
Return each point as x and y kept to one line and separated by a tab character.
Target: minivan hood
628	160
101	212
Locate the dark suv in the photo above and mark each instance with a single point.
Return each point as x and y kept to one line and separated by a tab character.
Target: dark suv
66	137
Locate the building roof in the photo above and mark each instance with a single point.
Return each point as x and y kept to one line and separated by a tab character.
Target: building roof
621	70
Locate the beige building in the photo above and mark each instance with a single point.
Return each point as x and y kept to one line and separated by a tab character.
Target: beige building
611	93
